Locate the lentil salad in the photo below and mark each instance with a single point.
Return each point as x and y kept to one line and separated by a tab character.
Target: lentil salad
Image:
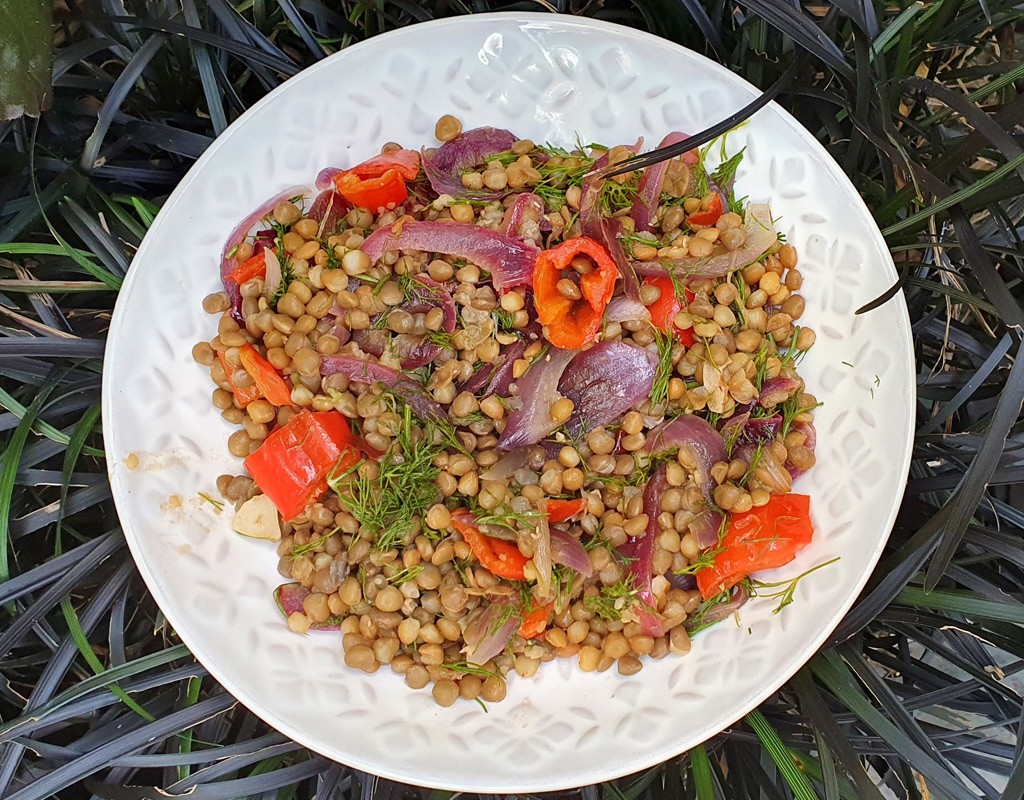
496	409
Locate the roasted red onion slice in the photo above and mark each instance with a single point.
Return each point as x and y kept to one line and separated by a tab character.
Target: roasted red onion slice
567	550
509	260
807	429
413	351
523	217
532	421
362	370
444	167
705	447
227	264
769	471
622	309
329	209
648	192
719	611
605	381
777	390
497	377
760	236
489	630
290	598
640	549
325	178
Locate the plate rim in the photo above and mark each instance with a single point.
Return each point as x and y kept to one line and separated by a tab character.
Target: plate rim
652	756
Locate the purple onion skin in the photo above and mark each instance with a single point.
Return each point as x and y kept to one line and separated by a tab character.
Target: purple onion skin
227	264
605	382
290	597
641	551
706	446
444	167
806	428
648	192
509	259
532	421
724	610
567	550
363	370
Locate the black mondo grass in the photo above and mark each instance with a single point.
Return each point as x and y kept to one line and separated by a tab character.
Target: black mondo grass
918	695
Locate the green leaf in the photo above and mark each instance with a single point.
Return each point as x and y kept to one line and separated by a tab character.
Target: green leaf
783	758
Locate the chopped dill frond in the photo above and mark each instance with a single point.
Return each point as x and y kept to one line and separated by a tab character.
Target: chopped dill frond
663	371
217	504
465	668
705	559
388	505
613	601
504	320
405	575
784	590
312	545
791	410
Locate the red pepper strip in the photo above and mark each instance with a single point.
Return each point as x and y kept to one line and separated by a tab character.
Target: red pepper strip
407	162
561	510
255	267
292	464
502	558
269	381
571	324
535	623
244	395
372	193
663	310
710	216
762	538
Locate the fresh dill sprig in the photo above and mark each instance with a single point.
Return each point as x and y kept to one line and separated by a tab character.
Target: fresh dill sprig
405	575
784	590
705	559
695	622
465	668
217	504
312	545
442	339
504	321
388	504
791	410
541	354
699	176
617	196
663	371
755	461
504	517
613	601
725	174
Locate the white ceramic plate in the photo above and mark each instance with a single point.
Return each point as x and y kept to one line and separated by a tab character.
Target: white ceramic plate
547	78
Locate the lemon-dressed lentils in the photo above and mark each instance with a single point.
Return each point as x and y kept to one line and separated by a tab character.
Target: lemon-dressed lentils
404	600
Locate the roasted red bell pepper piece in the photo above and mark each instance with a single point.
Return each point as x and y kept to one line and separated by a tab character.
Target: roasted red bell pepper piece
708	216
571	324
536	622
243	394
272	386
255	267
382	192
407	162
502	558
762	538
664	309
561	510
292	464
